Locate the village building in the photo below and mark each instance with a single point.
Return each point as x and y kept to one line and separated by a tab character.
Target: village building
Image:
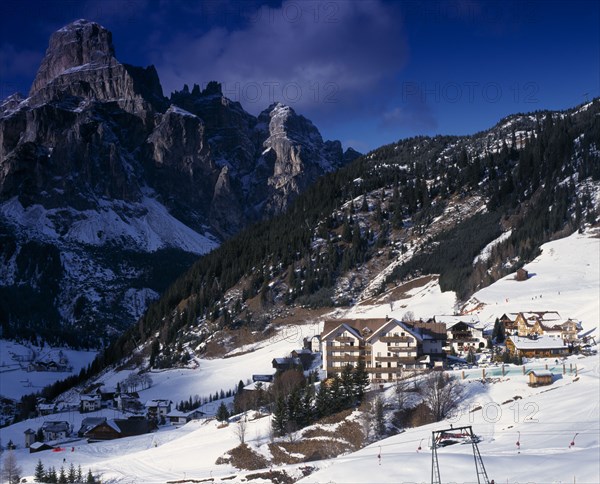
44	408
39	446
463	337
90	403
541	346
88	424
388	348
111	429
176	417
286	363
540	377
158	409
128	402
55	430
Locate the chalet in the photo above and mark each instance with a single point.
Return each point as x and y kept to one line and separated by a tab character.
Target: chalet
305	356
39	446
283	364
128	402
158	409
434	337
29	437
55	430
569	330
540	377
510	323
176	417
107	399
387	347
118	428
542	346
88	424
521	275
463	337
44	408
90	402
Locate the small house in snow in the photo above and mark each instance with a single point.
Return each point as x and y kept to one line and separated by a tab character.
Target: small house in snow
177	417
540	377
55	430
90	402
39	446
521	275
158	409
118	428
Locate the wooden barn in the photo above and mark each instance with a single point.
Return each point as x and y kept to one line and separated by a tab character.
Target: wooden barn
539	378
522	275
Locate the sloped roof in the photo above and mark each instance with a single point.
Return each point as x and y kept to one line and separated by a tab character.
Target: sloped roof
542	342
355	326
540	372
399	324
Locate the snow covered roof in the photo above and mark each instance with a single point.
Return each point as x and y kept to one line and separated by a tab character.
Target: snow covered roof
158	403
452	319
541	342
540	372
179	413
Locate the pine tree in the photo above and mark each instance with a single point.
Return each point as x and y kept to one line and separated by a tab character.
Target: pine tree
90	478
72	475
222	412
280	416
40	472
361	381
323	401
79	474
51	476
62	477
347	387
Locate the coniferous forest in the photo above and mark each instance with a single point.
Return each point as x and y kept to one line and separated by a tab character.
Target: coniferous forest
527	172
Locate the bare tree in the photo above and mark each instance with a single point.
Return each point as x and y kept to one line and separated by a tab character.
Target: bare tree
441	394
402	394
366	419
11	471
408	316
240	429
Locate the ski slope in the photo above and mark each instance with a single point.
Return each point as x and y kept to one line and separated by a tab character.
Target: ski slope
544	421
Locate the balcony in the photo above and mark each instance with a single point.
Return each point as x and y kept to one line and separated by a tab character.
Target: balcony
344	358
393	339
344	339
401	349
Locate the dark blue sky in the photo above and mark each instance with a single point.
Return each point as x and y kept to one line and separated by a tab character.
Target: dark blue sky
367	72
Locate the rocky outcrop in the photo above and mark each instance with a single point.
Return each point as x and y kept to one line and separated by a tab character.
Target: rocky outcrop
97	164
80	62
297	152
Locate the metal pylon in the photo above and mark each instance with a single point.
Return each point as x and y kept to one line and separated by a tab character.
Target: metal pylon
435	465
456	433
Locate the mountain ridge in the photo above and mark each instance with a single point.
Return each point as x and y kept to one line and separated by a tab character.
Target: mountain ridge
97	161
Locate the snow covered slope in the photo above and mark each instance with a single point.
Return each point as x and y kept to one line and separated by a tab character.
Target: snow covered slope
544	421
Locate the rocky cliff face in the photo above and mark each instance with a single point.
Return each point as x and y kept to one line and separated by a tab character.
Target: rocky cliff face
122	187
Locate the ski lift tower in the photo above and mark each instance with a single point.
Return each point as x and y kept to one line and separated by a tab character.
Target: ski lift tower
441	438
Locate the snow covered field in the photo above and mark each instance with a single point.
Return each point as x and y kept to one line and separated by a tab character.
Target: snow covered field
16	381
